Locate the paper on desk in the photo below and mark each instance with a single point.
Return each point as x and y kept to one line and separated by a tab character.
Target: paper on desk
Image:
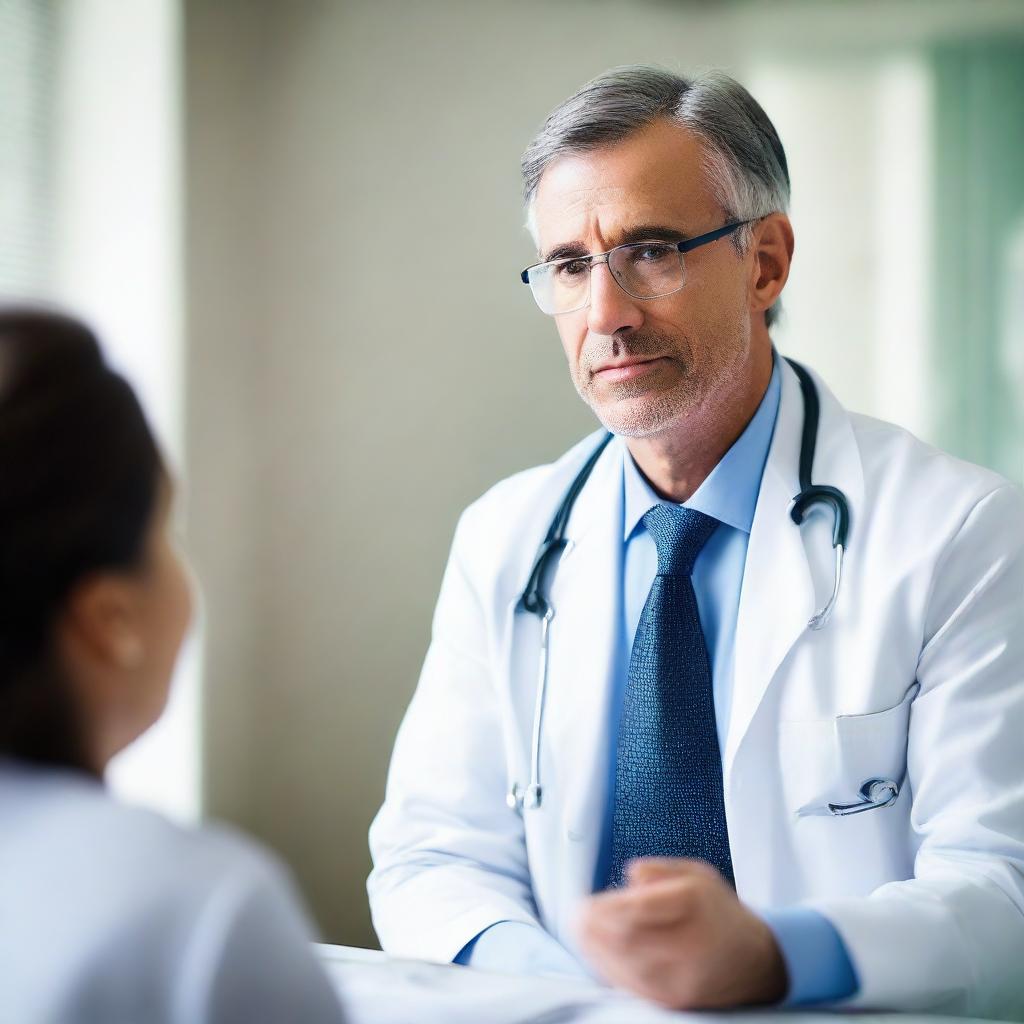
378	990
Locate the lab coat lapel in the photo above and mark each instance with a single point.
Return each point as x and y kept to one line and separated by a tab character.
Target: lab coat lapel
584	635
780	592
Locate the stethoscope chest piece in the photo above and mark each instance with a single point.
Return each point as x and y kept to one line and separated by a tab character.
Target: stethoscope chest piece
875	793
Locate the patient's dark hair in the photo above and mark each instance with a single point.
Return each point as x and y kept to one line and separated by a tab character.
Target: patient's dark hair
79	476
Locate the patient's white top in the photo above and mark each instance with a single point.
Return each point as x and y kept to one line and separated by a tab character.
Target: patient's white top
112	914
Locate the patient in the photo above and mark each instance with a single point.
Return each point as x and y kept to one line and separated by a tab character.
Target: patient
109	913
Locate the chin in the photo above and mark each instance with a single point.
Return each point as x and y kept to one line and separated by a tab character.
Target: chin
644	416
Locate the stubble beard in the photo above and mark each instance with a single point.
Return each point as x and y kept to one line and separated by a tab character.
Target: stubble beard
639	408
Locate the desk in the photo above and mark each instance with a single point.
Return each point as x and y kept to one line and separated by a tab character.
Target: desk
377	989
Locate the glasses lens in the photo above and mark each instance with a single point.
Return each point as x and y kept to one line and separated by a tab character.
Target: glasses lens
647	269
561	287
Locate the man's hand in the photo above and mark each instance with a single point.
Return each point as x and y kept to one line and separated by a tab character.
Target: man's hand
678	935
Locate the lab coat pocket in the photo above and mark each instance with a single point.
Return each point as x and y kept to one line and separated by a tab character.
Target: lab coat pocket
860	761
874	746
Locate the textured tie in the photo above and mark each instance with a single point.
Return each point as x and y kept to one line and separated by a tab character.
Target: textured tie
668	775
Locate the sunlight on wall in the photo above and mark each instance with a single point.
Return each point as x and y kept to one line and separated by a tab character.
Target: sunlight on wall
902	238
117	254
856	306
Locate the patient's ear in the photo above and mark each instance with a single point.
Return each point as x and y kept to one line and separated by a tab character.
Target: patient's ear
101	627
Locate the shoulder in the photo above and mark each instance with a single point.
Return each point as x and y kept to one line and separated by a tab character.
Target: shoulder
118	835
214	852
158	908
902	472
941	533
498	535
62	830
202	877
528	492
235	934
248	953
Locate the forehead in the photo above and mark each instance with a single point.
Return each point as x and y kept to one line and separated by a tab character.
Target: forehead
655	176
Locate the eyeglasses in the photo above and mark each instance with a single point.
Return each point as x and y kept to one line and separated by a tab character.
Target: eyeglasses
645	270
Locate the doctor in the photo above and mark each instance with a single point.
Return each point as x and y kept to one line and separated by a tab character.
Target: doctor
729	804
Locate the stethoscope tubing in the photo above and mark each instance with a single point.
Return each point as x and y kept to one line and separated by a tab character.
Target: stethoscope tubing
536	602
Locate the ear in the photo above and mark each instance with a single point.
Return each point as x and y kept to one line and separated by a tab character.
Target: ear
101	621
772	245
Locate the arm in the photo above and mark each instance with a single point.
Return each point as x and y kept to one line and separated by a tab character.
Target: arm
512	947
449	855
952	937
818	965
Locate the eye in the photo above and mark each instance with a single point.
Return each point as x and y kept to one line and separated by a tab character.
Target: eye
652	252
572	268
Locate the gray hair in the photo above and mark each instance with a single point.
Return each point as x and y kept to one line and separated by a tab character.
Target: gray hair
743	157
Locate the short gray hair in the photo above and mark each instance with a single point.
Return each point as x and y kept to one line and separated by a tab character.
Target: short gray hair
744	158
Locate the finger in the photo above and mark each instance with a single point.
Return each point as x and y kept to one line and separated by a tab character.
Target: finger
653	869
656	904
618	955
605	917
655	966
608	964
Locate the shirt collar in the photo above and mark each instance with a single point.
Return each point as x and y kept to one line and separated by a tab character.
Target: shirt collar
729	492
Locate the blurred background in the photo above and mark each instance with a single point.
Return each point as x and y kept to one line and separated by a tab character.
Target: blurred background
297	226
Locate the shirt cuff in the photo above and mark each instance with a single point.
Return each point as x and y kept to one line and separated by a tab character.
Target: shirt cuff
513	947
819	967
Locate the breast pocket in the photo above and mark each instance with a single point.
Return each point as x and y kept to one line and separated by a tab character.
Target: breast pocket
851	764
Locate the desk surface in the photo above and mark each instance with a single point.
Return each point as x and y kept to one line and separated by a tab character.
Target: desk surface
377	989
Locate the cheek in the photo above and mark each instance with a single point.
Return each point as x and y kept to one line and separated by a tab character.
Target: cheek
572	331
174	609
183	602
711	320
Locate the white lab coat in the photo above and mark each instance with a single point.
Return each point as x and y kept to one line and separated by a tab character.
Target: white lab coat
112	915
927	894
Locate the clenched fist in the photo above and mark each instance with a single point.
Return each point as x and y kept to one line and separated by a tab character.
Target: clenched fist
677	934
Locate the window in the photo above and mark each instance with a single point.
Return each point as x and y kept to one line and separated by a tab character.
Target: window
27	56
90	215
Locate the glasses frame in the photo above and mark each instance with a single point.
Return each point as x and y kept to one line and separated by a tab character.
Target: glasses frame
593	259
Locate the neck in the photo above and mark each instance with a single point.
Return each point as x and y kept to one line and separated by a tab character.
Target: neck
677	461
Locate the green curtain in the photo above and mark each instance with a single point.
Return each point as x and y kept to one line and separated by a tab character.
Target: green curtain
979	217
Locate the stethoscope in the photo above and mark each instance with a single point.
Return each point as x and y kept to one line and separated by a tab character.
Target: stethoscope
536	603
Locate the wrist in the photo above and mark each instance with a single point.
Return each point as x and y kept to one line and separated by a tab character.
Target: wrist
768	977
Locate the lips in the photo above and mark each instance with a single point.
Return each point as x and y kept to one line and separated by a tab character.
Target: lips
627	369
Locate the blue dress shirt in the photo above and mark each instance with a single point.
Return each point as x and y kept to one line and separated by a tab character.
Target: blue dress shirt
817	961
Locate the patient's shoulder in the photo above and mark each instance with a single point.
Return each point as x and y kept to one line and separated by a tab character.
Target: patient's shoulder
63	835
107	901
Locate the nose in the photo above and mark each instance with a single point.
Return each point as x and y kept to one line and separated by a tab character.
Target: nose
611	309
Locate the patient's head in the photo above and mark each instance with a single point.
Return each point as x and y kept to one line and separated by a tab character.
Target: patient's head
94	600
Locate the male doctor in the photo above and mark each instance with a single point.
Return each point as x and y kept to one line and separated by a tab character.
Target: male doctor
728	806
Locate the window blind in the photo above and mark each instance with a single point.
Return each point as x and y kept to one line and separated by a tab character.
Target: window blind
27	72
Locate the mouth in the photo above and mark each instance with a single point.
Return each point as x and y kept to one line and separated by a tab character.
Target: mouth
627	369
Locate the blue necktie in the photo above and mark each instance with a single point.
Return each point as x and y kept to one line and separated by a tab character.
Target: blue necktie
668	774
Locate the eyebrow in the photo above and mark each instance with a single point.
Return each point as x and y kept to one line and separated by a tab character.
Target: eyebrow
639	233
